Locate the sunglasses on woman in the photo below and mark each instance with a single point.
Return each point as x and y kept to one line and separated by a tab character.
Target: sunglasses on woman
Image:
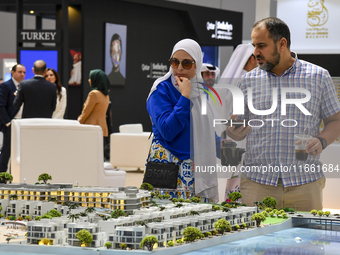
186	63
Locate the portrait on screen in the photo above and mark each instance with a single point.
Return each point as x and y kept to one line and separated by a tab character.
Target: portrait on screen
115	53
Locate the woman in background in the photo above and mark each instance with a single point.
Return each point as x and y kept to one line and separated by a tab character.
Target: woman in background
53	76
97	102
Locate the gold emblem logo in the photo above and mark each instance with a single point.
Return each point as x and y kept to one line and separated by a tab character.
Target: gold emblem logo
318	14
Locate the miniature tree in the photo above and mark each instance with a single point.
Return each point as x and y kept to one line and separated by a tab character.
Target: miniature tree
320	213
258	217
117	213
265	214
234	196
244	225
284	215
46	216
268	209
207	234
222	225
179	241
90	209
146	186
73	205
225	209
161	208
84	237
1	208
153	194
194	213
1	215
123	246
8	239
141	223
54	213
271	214
108	245
13	197
6	177
269	202
190	234
170	243
179	205
174	200
237	227
187	201
216	208
314	212
44	177
12	218
52	199
73	216
195	199
181	200
327	213
291	209
45	241
38	218
214	232
20	218
83	214
148	241
28	218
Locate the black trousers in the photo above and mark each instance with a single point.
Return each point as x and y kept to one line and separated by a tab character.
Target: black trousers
6	149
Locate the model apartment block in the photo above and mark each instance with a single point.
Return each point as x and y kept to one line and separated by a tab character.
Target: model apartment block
126	199
166	225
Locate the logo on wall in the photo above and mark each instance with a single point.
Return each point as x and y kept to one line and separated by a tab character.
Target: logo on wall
222	30
155	70
317	16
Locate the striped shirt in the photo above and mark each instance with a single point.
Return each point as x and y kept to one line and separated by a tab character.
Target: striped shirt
270	152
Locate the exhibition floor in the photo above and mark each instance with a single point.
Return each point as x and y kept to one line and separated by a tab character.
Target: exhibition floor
292	241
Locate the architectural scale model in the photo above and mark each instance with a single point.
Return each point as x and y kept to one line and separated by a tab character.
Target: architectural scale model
166	223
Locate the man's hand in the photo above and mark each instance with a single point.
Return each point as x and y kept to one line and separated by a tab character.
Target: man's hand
314	147
238	133
184	85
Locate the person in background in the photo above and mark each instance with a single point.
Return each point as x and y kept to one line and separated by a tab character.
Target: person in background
38	95
209	73
241	61
53	76
8	112
97	101
173	101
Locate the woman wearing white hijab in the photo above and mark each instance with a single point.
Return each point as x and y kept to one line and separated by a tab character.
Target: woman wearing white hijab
181	132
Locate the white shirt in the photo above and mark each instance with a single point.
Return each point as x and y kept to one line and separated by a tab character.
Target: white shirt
19	114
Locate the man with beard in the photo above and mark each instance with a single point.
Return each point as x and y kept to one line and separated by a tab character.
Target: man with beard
209	73
271	168
116	48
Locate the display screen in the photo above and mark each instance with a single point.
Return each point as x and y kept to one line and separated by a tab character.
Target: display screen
28	57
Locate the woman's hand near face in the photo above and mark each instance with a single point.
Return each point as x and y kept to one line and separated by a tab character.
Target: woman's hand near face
184	85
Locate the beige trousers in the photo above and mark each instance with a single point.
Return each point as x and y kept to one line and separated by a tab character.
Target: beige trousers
304	197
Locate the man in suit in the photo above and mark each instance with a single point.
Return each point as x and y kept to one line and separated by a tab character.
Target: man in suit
8	112
38	95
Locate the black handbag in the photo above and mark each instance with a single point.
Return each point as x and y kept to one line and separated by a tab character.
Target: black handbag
161	175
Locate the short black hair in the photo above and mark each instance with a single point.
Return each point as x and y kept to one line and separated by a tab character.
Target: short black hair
277	29
14	68
41	68
113	38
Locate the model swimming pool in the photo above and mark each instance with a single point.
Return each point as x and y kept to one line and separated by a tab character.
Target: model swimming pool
313	242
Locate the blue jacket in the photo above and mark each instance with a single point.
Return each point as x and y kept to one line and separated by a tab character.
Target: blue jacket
170	116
